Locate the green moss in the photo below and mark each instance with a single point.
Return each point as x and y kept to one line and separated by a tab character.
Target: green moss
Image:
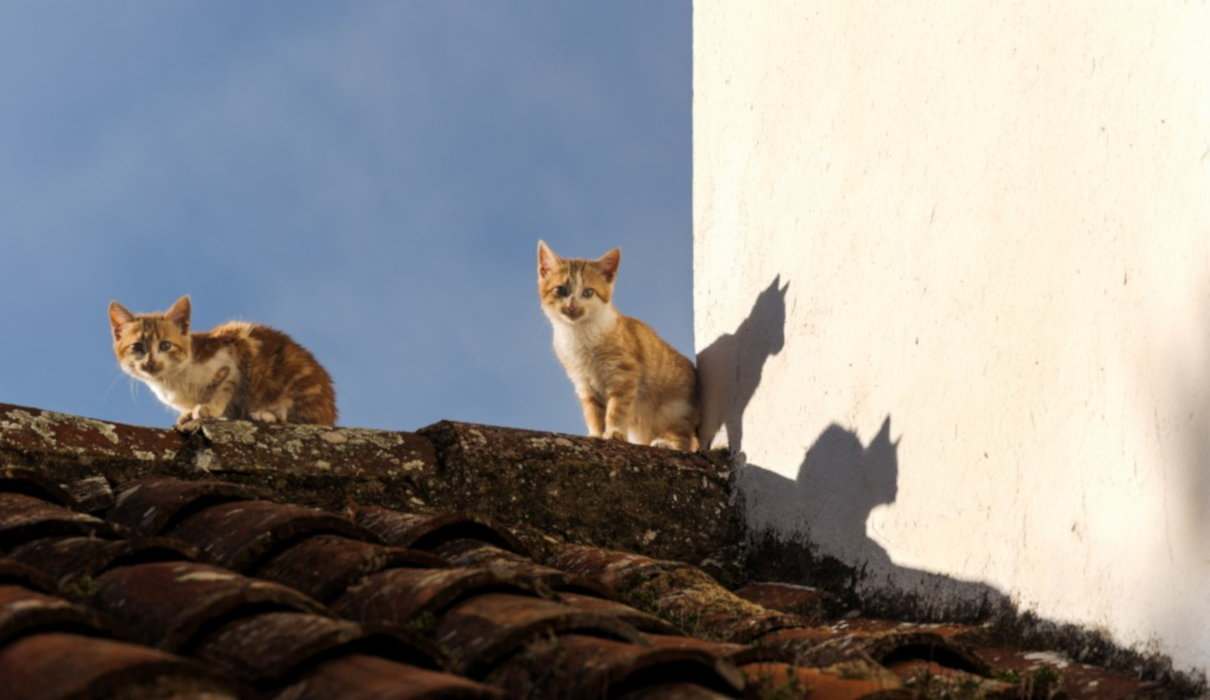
792	689
422	625
1008	676
80	588
1042	683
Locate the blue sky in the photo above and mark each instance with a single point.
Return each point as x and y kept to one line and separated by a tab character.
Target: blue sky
371	177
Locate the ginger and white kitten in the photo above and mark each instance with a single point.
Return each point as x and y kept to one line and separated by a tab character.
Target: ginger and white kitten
631	384
237	370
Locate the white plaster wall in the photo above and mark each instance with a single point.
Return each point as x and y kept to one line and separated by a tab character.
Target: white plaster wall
993	219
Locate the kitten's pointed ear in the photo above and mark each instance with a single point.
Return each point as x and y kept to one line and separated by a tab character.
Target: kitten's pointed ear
547	260
609	262
117	316
178	313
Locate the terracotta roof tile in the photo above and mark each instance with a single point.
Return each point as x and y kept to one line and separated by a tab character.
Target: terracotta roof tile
473	553
13	572
24	611
857	679
673	691
68	558
126	566
269	648
609	667
428	531
406	595
679	592
24	518
152	505
325	566
168	604
644	622
57	665
805	601
243	534
490	627
361	677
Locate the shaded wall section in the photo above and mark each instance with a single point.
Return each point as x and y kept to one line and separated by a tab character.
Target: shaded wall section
952	292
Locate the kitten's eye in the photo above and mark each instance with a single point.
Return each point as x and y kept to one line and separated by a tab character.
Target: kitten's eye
562	290
165	346
138	349
588	293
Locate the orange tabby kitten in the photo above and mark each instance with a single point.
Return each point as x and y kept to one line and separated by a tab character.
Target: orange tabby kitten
631	384
237	370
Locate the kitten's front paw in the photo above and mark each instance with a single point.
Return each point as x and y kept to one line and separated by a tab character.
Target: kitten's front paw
187	423
264	416
614	434
666	444
190	421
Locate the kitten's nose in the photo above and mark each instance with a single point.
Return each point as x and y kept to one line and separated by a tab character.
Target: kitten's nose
573	312
150	367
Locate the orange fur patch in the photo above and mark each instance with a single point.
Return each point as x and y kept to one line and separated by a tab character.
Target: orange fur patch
630	382
240	368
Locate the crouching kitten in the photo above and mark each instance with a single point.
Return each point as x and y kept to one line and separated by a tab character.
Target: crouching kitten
236	370
631	384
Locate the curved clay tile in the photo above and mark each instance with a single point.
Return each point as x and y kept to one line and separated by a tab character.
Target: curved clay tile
168	604
677	592
644	622
67	558
419	531
55	666
827	645
361	677
544	621
324	566
34	483
22	612
853	680
576	665
242	534
25	518
475	553
152	505
487	628
415	597
14	572
673	691
276	647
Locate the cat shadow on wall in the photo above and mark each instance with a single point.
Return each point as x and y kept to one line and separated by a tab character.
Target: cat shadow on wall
814	530
730	368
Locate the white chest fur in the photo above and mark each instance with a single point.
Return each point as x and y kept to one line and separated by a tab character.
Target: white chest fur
576	346
190	385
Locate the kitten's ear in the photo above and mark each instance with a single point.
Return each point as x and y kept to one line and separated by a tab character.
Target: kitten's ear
547	260
178	313
117	316
609	262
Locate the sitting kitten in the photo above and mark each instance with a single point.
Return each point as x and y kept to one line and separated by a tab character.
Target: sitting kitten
237	370
631	384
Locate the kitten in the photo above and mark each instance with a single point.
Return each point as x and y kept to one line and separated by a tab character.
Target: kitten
631	384
237	370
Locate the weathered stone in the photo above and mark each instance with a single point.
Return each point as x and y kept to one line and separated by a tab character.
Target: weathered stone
318	465
663	503
344	452
70	447
311	464
658	502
